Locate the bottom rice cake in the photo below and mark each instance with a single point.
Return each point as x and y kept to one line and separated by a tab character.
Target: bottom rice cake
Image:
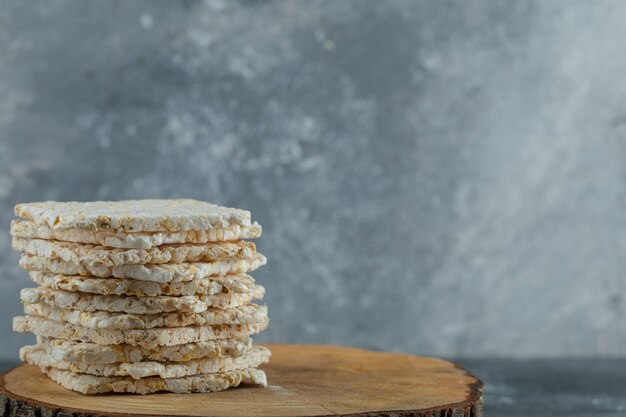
90	384
257	355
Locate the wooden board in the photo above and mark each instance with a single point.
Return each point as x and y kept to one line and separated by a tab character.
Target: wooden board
303	381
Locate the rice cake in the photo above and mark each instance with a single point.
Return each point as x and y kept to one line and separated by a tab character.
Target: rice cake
148	338
90	255
89	384
137	305
150	272
133	215
120	286
70	351
141	240
36	355
247	314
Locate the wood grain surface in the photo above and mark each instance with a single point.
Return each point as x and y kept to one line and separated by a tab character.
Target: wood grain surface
303	381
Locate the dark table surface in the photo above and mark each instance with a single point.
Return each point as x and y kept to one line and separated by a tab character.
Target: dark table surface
546	387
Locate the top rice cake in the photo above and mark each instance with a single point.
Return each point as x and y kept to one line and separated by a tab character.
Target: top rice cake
133	215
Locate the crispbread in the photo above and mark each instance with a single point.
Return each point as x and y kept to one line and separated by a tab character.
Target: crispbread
133	215
89	384
141	296
69	351
142	240
155	273
90	255
136	305
247	314
148	338
36	355
114	286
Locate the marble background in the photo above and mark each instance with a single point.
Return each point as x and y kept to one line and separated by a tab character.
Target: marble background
436	177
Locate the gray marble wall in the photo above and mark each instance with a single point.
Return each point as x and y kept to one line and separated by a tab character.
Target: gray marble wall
437	177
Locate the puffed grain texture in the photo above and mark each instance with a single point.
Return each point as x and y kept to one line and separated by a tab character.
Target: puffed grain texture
36	355
152	272
85	352
133	215
117	286
141	240
91	255
246	314
148	338
89	384
136	305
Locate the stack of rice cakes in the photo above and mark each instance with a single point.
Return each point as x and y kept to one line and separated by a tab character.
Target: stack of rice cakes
141	296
